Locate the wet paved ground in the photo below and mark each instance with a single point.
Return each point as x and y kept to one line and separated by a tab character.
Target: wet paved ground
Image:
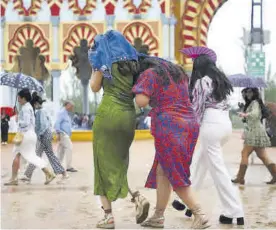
73	206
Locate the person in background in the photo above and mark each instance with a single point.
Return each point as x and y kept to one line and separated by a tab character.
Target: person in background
63	128
26	149
4	128
255	136
44	140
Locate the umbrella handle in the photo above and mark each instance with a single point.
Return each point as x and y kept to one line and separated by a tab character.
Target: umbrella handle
15	109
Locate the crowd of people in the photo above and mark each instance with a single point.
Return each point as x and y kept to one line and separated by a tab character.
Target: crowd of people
183	111
85	121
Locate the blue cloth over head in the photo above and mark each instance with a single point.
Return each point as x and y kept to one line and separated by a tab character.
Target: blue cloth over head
109	48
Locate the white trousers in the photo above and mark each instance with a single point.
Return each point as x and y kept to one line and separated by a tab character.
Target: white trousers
65	149
214	132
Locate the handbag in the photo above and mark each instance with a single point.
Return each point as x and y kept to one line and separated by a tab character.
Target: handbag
17	140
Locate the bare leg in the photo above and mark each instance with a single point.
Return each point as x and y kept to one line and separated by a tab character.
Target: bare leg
246	152
15	168
108	221
261	153
163	192
187	195
106	204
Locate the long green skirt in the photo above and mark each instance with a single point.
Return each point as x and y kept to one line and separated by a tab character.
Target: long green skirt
114	129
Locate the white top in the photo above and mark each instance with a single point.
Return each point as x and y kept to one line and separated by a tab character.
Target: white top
26	118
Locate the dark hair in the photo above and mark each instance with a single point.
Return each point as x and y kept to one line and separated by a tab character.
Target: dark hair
204	66
162	68
127	67
25	93
256	96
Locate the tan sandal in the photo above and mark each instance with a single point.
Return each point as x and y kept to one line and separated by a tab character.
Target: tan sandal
49	178
107	222
141	206
200	219
154	222
11	183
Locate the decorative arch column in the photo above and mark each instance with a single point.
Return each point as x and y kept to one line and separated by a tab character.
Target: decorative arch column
55	6
196	19
110	6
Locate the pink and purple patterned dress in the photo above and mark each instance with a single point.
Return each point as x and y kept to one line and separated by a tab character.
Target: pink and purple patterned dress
173	126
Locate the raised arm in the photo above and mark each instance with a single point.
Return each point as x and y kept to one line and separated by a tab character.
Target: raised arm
96	81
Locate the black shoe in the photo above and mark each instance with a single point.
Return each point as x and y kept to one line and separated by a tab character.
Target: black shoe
71	170
227	220
178	205
181	207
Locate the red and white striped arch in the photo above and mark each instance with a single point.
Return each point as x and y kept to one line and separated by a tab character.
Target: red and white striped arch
86	10
18	5
75	35
3	6
143	31
142	8
196	20
26	32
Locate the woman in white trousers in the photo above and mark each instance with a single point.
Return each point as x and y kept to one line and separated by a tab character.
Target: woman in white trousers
26	149
210	90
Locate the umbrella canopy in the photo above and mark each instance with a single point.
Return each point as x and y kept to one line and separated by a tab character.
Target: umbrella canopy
195	51
20	81
8	111
244	81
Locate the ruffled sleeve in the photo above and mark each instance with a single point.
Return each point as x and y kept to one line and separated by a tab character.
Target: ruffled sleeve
145	84
202	89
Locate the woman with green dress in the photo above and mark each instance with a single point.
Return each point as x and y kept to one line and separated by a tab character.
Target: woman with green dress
114	63
255	136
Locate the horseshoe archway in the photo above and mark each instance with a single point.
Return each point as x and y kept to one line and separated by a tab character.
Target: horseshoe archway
196	18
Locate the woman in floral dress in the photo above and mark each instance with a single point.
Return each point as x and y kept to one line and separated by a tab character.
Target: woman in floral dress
164	86
255	136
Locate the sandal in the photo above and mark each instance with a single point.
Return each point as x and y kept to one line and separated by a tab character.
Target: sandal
142	207
154	222
107	222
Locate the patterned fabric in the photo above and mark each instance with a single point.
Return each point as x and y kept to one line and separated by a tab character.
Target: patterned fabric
63	123
26	119
42	121
202	98
254	131
20	81
108	49
113	129
173	126
44	144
